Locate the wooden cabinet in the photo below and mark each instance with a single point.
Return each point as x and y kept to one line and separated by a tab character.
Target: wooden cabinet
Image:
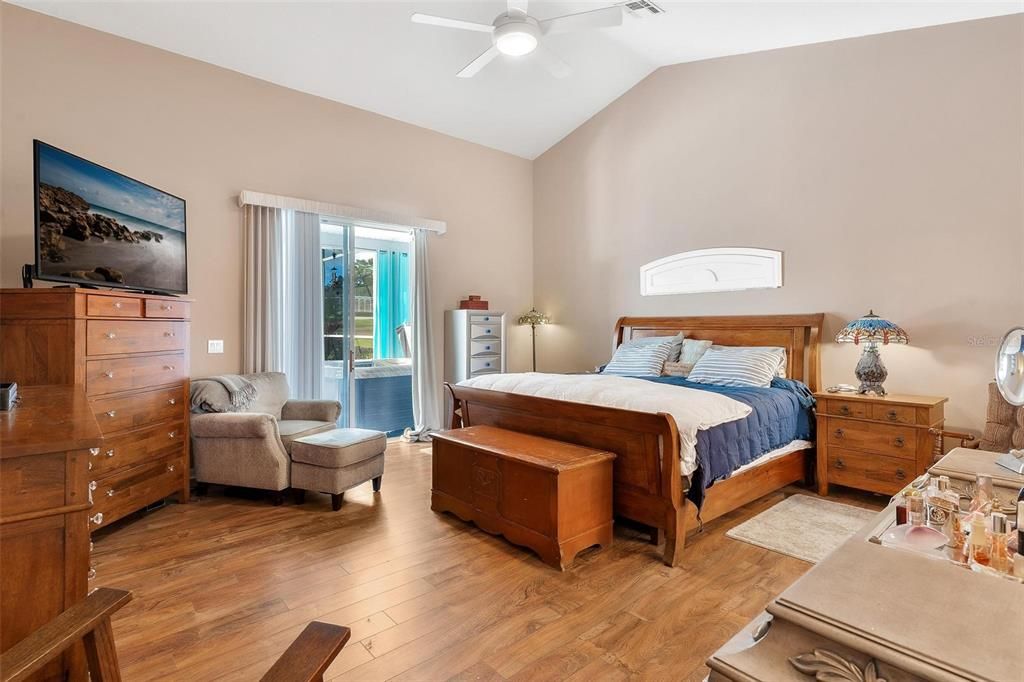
553	497
46	443
875	443
130	353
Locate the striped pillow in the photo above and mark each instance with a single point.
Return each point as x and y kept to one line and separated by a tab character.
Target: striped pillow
736	367
641	359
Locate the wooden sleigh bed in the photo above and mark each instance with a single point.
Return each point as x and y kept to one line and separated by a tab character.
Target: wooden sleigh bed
648	485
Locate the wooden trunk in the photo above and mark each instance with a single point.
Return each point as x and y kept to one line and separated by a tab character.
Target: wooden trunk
555	498
129	352
45	445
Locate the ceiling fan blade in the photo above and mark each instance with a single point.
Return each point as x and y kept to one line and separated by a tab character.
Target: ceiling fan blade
451	23
605	17
553	63
480	62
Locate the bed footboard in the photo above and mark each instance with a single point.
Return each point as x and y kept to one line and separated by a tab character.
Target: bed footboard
647	478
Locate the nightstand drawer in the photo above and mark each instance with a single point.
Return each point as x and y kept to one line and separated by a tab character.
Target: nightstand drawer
894	414
897	441
866	471
848	408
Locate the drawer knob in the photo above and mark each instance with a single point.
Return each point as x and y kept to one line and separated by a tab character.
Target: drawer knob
840	464
164	306
169	368
845	409
839	433
111	413
110	335
94	451
899	441
487	331
96	518
118	305
170	467
168	334
901	474
172	434
92	573
109	374
892	415
172	401
111	492
110	452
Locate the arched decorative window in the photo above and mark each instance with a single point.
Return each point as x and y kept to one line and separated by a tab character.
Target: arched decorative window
707	270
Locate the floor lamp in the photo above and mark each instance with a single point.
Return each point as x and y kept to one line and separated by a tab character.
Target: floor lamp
534	318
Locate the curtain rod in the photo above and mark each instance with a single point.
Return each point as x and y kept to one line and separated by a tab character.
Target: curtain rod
248	197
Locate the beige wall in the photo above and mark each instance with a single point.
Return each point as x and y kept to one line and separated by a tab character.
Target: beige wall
205	133
887	168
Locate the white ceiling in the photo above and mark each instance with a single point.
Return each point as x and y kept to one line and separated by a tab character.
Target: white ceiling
369	55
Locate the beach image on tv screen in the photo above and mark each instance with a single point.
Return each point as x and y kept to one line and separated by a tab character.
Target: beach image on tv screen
95	224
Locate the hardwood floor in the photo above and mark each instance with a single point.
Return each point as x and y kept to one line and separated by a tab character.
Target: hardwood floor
222	585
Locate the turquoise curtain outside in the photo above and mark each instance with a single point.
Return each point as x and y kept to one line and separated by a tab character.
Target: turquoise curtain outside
392	302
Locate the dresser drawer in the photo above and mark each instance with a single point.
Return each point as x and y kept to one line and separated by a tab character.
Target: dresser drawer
124	374
484	365
107	337
484	318
894	414
32	484
122	493
156	307
484	332
848	408
897	441
113	306
139	409
866	471
484	348
138	447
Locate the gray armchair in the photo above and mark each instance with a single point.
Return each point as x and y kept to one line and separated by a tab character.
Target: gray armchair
251	448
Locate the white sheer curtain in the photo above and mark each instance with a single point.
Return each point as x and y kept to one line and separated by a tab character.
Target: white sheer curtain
426	390
283	319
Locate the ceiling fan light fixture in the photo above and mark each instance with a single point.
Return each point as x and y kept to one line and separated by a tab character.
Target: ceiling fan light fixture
516	38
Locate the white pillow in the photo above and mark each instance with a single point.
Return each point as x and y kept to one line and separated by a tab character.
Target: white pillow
642	359
736	367
689	354
779	350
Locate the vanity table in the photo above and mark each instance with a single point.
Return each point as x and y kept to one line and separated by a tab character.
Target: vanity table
895	613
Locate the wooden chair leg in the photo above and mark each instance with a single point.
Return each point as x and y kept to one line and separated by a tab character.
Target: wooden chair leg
675	536
376	483
336	499
101	654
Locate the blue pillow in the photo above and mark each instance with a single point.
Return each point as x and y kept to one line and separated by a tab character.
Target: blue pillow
724	366
643	357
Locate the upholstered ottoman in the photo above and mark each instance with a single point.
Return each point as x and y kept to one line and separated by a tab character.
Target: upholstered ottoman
336	460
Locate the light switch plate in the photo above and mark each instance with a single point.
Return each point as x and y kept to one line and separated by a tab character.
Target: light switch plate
215	346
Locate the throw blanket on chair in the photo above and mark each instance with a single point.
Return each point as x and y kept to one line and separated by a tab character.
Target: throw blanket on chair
205	398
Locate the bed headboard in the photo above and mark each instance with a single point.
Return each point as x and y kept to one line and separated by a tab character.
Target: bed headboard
800	335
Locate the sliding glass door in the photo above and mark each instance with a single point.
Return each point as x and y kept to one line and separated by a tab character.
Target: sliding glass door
367	304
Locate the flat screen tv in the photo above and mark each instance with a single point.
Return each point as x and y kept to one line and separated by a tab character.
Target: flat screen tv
95	226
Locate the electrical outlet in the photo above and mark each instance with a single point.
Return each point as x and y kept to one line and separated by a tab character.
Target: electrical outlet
215	346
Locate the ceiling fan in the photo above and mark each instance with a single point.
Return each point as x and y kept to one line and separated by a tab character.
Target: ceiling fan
515	33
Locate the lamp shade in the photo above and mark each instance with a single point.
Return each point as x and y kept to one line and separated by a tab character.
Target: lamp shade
872	329
534	318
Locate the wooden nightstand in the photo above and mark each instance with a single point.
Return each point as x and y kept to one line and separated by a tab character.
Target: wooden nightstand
875	443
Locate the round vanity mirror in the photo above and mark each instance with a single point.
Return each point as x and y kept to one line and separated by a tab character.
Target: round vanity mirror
1010	366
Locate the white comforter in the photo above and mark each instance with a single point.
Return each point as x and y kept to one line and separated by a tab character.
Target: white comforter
692	409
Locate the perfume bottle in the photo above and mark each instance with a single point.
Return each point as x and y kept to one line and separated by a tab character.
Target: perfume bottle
915	510
942	505
998	557
979	542
984	495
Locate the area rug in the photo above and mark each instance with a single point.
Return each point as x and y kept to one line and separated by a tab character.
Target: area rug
802	526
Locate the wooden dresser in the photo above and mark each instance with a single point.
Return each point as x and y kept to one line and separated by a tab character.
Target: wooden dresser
553	497
875	443
130	353
45	446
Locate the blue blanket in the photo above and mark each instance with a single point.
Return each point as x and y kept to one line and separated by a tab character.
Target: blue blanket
780	414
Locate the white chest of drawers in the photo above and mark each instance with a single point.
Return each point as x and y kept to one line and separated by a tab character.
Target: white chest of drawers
474	344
